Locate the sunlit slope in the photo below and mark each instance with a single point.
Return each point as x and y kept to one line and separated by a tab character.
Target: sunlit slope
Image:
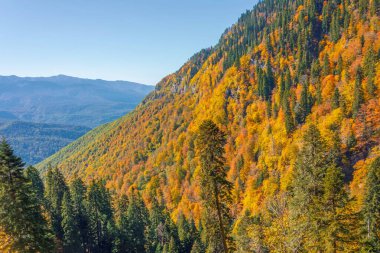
283	66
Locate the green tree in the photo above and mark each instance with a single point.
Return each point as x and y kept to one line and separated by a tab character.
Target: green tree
358	94
121	241
336	217
335	99
100	216
33	176
216	190
78	196
369	70
55	187
71	233
20	210
307	191
137	216
371	210
186	233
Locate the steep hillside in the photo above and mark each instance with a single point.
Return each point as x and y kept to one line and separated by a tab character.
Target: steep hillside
68	100
283	66
33	142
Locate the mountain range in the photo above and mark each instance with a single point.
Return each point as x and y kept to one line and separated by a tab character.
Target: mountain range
40	115
68	100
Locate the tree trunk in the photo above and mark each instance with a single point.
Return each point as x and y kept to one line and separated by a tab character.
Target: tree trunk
216	193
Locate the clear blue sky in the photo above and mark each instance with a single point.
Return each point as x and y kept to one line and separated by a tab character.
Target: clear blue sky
134	40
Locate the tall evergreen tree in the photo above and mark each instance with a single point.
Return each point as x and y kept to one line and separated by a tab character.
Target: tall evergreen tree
55	187
371	210
216	190
336	217
100	218
121	241
358	94
71	233
78	196
335	99
307	192
21	217
137	216
33	176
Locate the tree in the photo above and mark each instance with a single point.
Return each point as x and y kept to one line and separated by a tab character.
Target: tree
78	196
137	216
336	217
33	176
121	241
369	70
358	94
55	187
307	191
21	217
371	210
186	233
100	218
71	233
335	99
216	190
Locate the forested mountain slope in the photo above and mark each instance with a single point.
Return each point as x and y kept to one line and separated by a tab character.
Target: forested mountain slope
285	67
67	100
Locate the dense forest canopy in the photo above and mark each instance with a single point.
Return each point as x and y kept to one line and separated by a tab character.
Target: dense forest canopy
293	88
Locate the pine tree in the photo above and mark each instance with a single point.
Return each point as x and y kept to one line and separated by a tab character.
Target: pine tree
137	217
326	65
371	210
336	217
55	187
78	196
71	233
198	247
289	121
20	210
100	218
121	240
358	94
307	191
369	70
33	176
216	190
335	99
186	232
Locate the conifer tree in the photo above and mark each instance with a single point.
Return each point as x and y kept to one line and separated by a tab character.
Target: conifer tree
71	233
358	94
335	99
216	190
121	241
335	214
369	70
78	196
33	176
137	216
20	210
55	187
371	210
186	232
307	191
100	218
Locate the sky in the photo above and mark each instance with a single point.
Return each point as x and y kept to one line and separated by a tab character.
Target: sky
133	40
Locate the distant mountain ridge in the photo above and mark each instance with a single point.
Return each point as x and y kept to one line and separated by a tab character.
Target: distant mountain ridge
36	141
68	100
